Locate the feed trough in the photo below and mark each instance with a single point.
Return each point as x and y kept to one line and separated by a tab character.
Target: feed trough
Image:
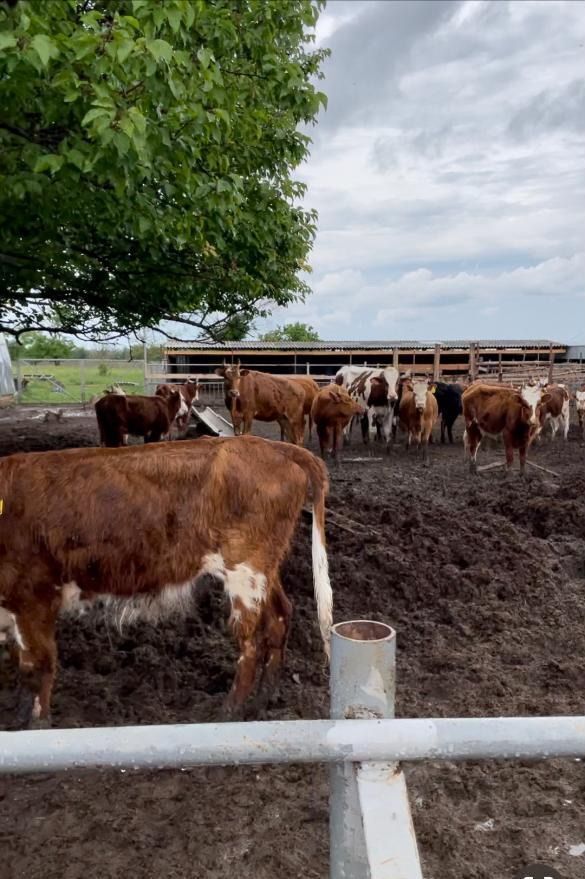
209	423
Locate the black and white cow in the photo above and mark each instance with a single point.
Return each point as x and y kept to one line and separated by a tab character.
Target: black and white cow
375	390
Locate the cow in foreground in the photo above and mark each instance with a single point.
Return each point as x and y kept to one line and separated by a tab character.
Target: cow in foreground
142	528
119	416
580	404
332	410
253	395
189	392
375	389
417	413
493	410
554	410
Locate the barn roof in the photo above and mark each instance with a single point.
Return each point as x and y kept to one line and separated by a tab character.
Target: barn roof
369	345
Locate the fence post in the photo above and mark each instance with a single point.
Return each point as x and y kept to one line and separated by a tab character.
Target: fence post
437	364
18	381
551	364
82	380
371	835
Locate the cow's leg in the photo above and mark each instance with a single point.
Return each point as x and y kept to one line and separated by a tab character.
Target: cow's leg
247	588
334	436
365	426
34	629
443	427
450	431
566	423
274	631
471	443
509	451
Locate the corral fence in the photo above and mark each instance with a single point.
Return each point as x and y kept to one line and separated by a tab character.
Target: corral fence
74	381
371	831
65	381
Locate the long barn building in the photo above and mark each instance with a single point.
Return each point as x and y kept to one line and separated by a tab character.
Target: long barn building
449	359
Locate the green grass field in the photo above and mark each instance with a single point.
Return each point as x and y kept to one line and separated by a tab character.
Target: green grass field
79	382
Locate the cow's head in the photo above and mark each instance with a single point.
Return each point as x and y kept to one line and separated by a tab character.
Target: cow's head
531	397
580	400
419	389
232	375
192	390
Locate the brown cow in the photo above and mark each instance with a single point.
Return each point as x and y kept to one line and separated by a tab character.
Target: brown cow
253	395
491	410
554	410
332	410
310	390
189	392
150	417
580	404
418	411
142	528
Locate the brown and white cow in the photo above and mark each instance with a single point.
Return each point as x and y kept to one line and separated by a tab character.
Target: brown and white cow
358	381
492	410
333	409
253	395
418	412
580	405
141	528
189	392
554	410
119	416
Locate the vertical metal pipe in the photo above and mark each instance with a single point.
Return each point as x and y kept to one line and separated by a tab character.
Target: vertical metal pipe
362	685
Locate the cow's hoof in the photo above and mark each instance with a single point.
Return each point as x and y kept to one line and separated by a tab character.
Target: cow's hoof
40	723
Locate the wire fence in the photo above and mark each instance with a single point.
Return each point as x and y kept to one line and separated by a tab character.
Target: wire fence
59	382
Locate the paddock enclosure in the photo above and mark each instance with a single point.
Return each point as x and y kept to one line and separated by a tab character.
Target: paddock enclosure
484	581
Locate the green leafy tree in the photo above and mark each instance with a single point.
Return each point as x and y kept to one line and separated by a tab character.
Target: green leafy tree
147	152
295	332
39	346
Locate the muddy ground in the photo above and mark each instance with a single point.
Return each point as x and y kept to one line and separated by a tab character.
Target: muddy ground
484	581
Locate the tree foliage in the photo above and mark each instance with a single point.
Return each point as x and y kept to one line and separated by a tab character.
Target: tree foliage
295	332
39	346
147	152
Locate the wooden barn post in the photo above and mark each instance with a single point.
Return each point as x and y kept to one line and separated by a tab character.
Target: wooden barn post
551	364
437	364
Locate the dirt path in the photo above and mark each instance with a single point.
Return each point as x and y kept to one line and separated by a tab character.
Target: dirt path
484	581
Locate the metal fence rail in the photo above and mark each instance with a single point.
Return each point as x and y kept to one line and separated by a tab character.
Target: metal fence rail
371	830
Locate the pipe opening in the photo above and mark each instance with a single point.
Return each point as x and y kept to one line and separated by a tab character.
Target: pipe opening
363	630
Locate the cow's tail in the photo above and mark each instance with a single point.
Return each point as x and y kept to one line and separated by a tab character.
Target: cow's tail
316	473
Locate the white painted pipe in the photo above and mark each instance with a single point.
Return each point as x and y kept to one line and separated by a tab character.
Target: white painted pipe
294	741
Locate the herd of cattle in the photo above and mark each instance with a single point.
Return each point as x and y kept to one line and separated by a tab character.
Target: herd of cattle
138	527
381	400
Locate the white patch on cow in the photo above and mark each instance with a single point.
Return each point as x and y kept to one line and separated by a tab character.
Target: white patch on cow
420	389
70	596
36	709
172	600
322	584
9	627
531	394
247	585
183	409
214	565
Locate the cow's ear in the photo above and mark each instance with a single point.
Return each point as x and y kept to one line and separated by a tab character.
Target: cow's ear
244	371
220	371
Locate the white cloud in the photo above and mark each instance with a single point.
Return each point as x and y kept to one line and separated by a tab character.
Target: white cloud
449	171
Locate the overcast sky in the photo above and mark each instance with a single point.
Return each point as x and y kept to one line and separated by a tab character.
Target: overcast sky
449	171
